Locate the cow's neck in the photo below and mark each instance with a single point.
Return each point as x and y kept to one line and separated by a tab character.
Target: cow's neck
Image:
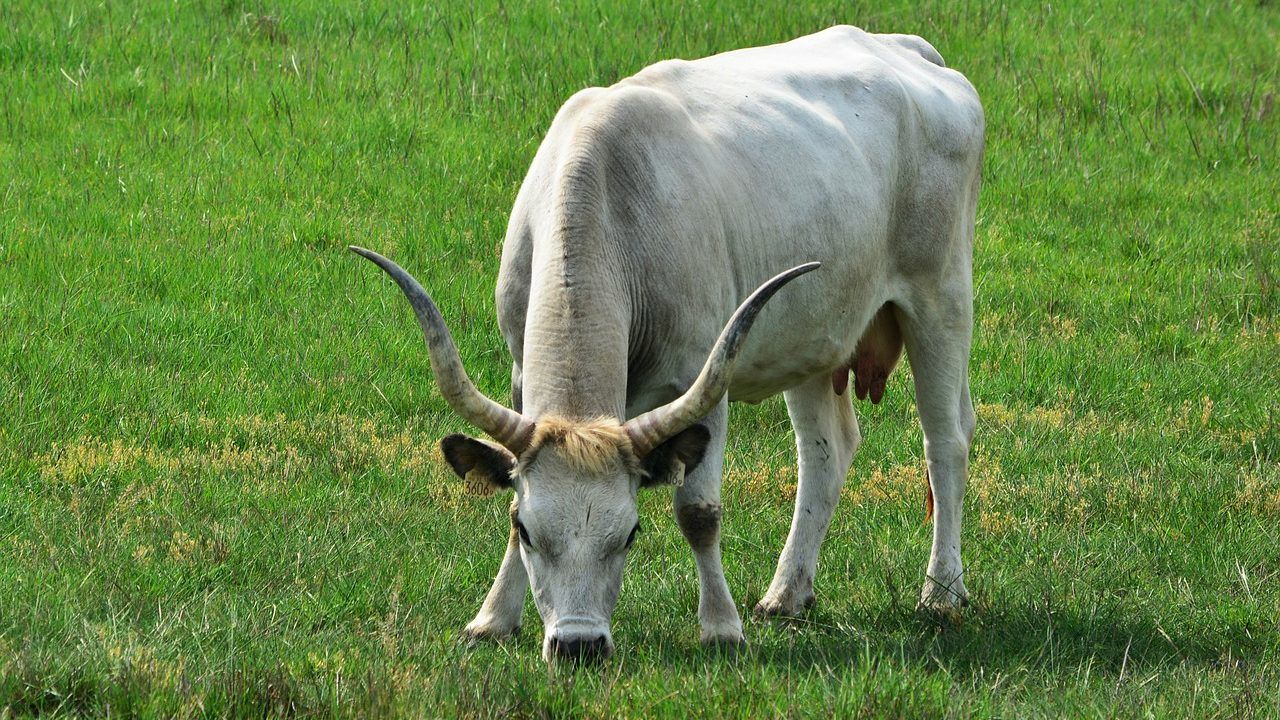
577	328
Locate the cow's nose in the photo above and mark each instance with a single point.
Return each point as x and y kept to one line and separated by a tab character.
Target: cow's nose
580	649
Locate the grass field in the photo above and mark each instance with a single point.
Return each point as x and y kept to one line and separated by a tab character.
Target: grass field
219	486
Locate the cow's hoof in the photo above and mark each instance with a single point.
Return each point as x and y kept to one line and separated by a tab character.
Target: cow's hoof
478	632
724	642
790	605
942	599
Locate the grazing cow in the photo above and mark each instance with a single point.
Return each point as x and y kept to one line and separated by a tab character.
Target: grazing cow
651	209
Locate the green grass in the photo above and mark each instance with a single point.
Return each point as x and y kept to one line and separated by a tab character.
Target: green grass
219	490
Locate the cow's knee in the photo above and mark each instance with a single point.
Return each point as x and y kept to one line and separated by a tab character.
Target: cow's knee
852	435
968	422
700	523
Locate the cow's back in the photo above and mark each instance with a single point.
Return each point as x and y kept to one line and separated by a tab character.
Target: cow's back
841	76
720	172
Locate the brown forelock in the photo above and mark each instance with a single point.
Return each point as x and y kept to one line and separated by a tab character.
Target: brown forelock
590	446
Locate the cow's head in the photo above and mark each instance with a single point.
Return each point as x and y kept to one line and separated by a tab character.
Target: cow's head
576	480
575	515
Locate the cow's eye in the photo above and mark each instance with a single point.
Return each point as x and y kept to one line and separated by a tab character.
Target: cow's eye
524	534
632	537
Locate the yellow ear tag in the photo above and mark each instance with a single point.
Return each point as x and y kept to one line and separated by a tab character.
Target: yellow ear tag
477	483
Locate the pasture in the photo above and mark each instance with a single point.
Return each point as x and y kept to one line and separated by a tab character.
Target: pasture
220	491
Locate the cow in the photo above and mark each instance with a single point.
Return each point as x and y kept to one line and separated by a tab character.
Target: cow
652	208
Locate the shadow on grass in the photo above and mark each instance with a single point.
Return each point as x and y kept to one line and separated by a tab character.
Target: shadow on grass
984	639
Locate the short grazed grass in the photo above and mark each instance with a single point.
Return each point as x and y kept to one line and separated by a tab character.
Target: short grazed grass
219	489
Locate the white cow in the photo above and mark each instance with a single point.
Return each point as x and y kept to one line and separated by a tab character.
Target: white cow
652	208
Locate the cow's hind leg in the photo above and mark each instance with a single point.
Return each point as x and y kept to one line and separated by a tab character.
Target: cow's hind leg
826	438
697	508
938	331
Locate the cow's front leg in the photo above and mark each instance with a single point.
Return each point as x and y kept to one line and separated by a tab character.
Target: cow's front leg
499	616
826	438
698	512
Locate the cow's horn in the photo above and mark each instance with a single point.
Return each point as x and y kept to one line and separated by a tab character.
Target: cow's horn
649	430
506	426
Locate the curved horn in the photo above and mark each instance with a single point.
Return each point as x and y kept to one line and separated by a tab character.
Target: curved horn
650	429
506	426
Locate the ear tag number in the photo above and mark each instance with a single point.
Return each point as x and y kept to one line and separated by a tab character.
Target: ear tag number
676	476
477	483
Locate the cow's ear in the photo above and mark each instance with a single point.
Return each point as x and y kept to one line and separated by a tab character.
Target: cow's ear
672	460
485	466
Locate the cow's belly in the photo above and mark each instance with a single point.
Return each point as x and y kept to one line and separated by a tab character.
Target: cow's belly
785	373
812	326
816	344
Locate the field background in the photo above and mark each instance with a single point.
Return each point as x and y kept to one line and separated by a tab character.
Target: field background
219	488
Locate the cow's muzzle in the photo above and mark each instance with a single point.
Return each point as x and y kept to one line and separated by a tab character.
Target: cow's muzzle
578	640
586	650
